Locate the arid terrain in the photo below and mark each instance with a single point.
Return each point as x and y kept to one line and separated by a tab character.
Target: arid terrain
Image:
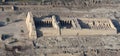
14	33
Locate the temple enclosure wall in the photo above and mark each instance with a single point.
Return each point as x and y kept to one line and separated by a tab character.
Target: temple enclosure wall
50	32
31	26
7	8
96	32
87	32
69	32
51	26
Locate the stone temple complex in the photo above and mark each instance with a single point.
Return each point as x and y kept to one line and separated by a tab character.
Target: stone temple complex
54	26
59	28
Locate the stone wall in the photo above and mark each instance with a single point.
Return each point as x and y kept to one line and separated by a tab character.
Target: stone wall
93	27
7	8
96	32
50	31
68	32
31	26
68	26
87	32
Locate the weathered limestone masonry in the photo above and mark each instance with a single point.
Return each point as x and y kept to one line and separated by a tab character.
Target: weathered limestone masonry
25	8
99	26
31	26
69	26
50	26
89	26
7	8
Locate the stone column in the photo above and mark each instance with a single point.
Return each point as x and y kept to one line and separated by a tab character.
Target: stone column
54	22
31	26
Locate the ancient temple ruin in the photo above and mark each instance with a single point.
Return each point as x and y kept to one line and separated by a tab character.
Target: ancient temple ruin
52	26
31	26
47	26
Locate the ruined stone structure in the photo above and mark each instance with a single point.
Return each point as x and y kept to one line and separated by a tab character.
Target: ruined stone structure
87	26
31	26
52	26
7	8
48	26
